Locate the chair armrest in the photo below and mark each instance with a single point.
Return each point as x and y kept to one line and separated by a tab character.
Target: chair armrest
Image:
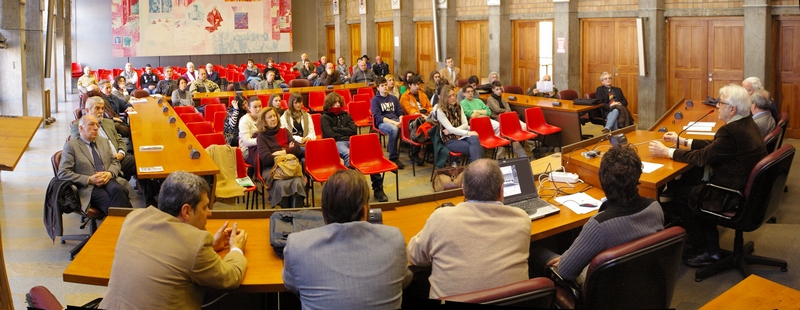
94	304
570	285
724	188
703	192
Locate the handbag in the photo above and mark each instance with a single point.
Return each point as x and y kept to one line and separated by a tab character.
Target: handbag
286	167
447	178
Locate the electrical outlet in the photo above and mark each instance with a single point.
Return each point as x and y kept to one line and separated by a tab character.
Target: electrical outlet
567	177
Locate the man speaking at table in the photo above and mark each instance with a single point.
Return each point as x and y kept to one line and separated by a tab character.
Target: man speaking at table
165	257
726	161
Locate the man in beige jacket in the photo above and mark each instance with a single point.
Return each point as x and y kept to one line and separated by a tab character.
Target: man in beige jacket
165	257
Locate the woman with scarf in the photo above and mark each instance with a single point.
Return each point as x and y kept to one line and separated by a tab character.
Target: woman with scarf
288	193
298	122
454	126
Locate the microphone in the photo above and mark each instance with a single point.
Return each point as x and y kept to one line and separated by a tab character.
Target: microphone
678	139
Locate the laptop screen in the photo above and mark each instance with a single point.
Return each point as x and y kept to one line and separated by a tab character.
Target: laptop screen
519	183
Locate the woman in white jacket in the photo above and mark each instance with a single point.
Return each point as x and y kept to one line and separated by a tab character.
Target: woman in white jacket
298	122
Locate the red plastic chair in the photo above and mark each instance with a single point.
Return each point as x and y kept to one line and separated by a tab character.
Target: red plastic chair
316	100
483	126
198	128
284	105
405	135
207	139
511	129
191	117
316	118
77	70
241	172
322	161
366	156
219	120
264	98
214	100
534	119
366	91
359	111
211	109
183	109
286	96
363	97
348	97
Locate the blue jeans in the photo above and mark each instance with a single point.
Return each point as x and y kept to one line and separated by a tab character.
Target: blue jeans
393	132
149	91
611	120
471	146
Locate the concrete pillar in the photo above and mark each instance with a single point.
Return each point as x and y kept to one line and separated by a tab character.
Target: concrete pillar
652	86
342	33
404	32
322	43
567	66
13	98
499	41
448	33
66	47
369	40
758	41
34	61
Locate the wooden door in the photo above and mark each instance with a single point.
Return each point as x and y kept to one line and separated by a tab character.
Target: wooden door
473	47
426	51
355	44
610	45
330	43
787	71
704	54
525	65
386	43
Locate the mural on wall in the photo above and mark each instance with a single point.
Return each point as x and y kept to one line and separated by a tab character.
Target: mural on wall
200	27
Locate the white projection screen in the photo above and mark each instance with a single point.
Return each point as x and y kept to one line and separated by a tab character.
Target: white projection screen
200	27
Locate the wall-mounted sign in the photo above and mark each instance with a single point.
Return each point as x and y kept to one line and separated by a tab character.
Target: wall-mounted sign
561	45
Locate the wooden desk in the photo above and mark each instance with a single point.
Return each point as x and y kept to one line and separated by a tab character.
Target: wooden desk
690	114
150	126
755	292
17	132
264	268
566	116
648	183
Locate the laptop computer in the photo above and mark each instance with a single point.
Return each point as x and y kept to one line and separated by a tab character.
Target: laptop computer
519	189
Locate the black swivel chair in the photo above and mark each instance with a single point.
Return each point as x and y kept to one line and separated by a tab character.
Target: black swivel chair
760	201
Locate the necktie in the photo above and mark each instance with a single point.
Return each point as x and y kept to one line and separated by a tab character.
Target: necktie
610	96
453	76
98	163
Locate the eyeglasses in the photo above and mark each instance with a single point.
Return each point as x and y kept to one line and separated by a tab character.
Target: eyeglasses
721	103
469	92
608	78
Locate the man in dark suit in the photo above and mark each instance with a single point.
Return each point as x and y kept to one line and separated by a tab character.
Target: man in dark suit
89	163
615	106
94	106
726	161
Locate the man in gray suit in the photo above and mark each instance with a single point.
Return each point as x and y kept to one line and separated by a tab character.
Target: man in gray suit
89	163
348	263
95	106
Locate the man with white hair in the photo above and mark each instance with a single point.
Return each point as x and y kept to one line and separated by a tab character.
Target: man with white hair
726	161
753	84
760	111
213	76
299	65
131	76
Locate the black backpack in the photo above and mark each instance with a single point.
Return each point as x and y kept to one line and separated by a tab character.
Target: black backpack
412	130
283	223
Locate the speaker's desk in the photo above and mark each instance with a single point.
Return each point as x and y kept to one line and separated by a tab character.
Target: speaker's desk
15	136
151	126
264	268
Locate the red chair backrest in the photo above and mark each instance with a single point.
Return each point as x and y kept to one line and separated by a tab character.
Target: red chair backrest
316	100
286	96
317	125
509	123
363	97
368	148
359	111
191	117
348	97
211	109
322	154
197	128
214	100
483	126
366	91
284	105
404	121
211	138
513	89
241	166
219	120
76	68
568	94
183	109
534	117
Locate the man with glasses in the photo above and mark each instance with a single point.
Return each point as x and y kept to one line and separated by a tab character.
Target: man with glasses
534	91
615	106
726	161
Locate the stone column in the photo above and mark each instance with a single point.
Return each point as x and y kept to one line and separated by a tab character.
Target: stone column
499	41
34	65
322	43
66	47
758	41
652	86
404	31
448	33
369	41
566	66
13	98
342	33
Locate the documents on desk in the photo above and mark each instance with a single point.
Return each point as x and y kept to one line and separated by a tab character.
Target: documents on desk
650	167
575	201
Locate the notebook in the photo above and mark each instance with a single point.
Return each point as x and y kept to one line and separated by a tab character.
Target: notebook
519	189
